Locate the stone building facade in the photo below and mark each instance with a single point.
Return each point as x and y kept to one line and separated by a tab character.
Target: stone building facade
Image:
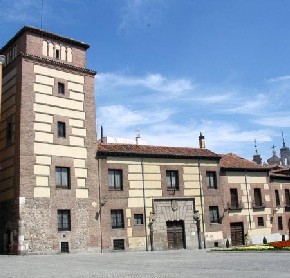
48	193
236	199
157	192
60	191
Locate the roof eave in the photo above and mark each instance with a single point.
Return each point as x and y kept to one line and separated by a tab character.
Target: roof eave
134	154
45	34
239	169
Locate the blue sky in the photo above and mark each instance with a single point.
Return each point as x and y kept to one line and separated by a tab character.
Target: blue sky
174	68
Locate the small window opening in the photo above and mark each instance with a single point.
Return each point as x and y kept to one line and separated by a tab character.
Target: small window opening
119	244
64	247
57	54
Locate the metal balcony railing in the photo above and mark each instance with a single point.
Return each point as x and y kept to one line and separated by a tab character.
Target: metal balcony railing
258	205
234	206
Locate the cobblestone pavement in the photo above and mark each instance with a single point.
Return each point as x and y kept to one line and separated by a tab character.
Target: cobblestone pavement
182	263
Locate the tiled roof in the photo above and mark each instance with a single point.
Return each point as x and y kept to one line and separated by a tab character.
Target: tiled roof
154	151
280	172
233	161
44	34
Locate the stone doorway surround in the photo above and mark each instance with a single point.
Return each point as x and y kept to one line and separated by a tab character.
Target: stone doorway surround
172	209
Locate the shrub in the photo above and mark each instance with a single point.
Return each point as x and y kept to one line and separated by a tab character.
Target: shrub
227	243
265	240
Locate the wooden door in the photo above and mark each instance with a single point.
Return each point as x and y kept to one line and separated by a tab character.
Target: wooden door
237	233
175	234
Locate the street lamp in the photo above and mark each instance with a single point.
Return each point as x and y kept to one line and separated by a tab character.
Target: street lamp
2	62
196	219
152	219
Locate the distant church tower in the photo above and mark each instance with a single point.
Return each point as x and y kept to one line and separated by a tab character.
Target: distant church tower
274	160
257	157
284	153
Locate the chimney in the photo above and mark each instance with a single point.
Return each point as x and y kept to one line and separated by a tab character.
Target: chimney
256	157
138	137
201	141
102	134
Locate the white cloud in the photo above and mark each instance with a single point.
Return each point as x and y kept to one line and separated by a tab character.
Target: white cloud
248	104
172	112
275	120
119	119
214	99
155	82
280	78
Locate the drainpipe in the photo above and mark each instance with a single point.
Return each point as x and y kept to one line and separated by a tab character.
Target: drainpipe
144	202
2	62
246	183
201	203
100	204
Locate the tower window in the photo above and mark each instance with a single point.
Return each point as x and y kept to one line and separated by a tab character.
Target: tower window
9	131
60	88
62	177
61	129
57	54
64	220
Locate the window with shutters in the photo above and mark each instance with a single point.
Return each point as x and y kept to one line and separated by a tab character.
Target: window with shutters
117	218
211	181
172	180
115	179
214	214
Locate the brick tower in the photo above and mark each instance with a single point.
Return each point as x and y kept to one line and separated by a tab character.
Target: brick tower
48	178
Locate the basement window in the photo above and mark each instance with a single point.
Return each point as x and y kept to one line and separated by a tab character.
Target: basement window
64	247
119	244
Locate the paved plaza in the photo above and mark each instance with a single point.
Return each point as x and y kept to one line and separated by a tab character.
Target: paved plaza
182	263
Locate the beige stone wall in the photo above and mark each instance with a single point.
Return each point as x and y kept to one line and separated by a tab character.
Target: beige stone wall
245	182
150	174
46	145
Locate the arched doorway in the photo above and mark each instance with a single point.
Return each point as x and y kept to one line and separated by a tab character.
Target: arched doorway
175	234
